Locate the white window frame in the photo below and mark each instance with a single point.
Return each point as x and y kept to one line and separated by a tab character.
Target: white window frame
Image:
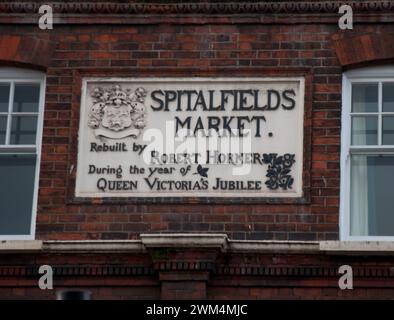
370	74
17	75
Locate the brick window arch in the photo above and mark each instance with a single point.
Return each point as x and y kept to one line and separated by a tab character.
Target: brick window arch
25	50
364	49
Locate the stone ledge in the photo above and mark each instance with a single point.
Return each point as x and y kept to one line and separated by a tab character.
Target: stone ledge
185	240
261	246
199	241
20	246
94	246
357	247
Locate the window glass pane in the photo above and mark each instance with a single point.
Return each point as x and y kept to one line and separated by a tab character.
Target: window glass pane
4	96
26	97
364	130
23	130
388	130
17	174
3	126
365	97
388	97
371	196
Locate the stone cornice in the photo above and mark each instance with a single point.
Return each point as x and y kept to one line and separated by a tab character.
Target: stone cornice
123	270
215	254
242	11
196	7
198	241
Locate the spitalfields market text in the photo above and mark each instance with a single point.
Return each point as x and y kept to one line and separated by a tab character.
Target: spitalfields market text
230	100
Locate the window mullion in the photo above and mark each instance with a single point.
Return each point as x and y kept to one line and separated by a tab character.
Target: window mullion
10	105
380	113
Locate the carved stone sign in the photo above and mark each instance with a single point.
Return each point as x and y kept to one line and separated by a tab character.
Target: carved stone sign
191	137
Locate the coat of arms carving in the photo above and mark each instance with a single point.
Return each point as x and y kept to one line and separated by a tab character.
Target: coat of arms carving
117	113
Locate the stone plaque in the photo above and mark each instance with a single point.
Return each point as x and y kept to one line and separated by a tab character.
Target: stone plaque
191	137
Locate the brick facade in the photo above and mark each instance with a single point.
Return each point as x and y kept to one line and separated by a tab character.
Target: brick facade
148	50
246	39
232	272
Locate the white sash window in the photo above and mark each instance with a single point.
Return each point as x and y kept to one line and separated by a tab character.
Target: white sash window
21	113
367	156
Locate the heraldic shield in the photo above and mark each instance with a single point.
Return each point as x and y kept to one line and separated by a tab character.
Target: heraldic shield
117	113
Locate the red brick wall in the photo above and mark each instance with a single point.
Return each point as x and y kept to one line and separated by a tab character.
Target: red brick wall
258	39
192	49
145	49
